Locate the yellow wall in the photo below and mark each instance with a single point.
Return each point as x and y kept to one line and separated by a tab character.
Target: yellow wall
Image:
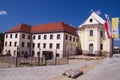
103	40
90	38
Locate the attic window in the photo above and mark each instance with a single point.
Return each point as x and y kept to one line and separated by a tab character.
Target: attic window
91	20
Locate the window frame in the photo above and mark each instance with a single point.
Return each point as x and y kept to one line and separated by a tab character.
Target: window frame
91	33
38	45
15	44
10	35
39	37
50	45
22	44
23	36
51	36
58	46
58	36
16	35
101	33
44	45
45	37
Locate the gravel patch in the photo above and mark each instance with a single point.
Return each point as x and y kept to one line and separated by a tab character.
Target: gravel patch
108	70
38	73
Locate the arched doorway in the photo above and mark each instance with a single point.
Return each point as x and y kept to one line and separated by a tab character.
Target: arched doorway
91	48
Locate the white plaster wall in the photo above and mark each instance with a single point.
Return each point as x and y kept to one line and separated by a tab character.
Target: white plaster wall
54	41
12	48
70	46
12	40
25	40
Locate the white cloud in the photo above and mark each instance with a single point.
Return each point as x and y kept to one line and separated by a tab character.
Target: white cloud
2	12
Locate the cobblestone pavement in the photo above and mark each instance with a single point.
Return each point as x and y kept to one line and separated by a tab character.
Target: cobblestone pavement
108	70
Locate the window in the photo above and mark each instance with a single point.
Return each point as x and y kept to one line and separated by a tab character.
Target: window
33	37
57	46
15	44
14	52
5	43
51	36
51	45
28	44
101	33
44	45
22	44
77	39
10	35
70	38
33	45
101	46
38	45
16	35
33	53
90	19
5	50
23	36
6	36
28	36
74	39
66	37
45	36
10	43
91	32
58	36
39	37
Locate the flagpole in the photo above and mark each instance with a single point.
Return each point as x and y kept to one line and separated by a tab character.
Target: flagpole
109	34
111	42
111	47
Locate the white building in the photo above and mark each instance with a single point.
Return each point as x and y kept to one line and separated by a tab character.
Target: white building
93	37
57	37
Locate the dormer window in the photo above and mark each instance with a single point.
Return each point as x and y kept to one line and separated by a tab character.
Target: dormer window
90	19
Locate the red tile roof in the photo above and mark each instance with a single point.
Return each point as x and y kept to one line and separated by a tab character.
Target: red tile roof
54	27
51	27
21	28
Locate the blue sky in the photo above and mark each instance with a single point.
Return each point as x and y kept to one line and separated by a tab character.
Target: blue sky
34	12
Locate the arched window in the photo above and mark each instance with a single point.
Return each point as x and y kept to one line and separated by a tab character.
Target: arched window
101	33
91	32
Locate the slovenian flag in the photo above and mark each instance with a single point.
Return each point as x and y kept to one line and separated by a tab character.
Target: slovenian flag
107	25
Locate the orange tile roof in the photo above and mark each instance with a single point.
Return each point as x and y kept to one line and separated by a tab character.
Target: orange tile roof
44	28
54	27
21	28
